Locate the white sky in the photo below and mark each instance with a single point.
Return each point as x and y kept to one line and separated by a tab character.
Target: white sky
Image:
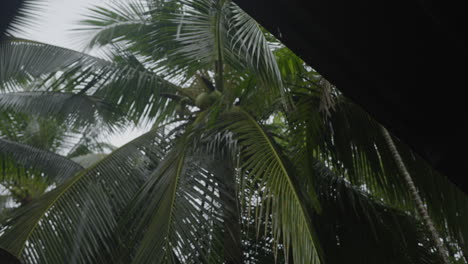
55	26
57	19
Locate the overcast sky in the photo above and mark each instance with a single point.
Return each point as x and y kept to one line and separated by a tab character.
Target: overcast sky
57	19
55	26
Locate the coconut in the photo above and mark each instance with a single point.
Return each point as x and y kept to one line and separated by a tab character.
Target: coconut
215	95
203	100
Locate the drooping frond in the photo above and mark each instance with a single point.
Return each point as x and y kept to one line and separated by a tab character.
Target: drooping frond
175	216
23	60
132	90
137	91
53	165
277	187
76	220
74	108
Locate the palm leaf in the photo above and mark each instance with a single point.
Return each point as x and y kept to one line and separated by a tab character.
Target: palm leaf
113	23
74	108
248	42
47	134
364	160
75	221
23	60
55	166
26	16
184	37
447	205
356	228
278	187
176	211
133	90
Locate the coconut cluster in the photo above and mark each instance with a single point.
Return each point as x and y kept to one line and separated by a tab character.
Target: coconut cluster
205	99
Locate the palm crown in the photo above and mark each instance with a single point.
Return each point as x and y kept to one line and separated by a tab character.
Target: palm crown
252	155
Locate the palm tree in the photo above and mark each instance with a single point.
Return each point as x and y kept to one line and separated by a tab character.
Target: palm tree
29	145
252	156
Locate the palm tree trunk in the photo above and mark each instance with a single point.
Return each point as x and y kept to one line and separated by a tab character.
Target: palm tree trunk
423	213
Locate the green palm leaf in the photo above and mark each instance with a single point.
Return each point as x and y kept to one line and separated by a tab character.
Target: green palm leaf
167	198
159	242
132	90
263	161
184	37
175	215
53	165
75	108
81	214
23	60
115	22
248	42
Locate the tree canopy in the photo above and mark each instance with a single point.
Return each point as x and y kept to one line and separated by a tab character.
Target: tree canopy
252	156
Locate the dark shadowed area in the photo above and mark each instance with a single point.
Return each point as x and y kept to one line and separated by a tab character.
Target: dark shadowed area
402	61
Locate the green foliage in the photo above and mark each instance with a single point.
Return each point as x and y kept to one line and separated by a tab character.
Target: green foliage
276	186
253	156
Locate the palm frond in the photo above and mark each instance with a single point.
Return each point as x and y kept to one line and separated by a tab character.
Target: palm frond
277	187
447	205
23	60
53	165
26	16
364	160
75	221
248	45
176	211
354	227
134	91
43	133
185	37
138	91
78	109
107	25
